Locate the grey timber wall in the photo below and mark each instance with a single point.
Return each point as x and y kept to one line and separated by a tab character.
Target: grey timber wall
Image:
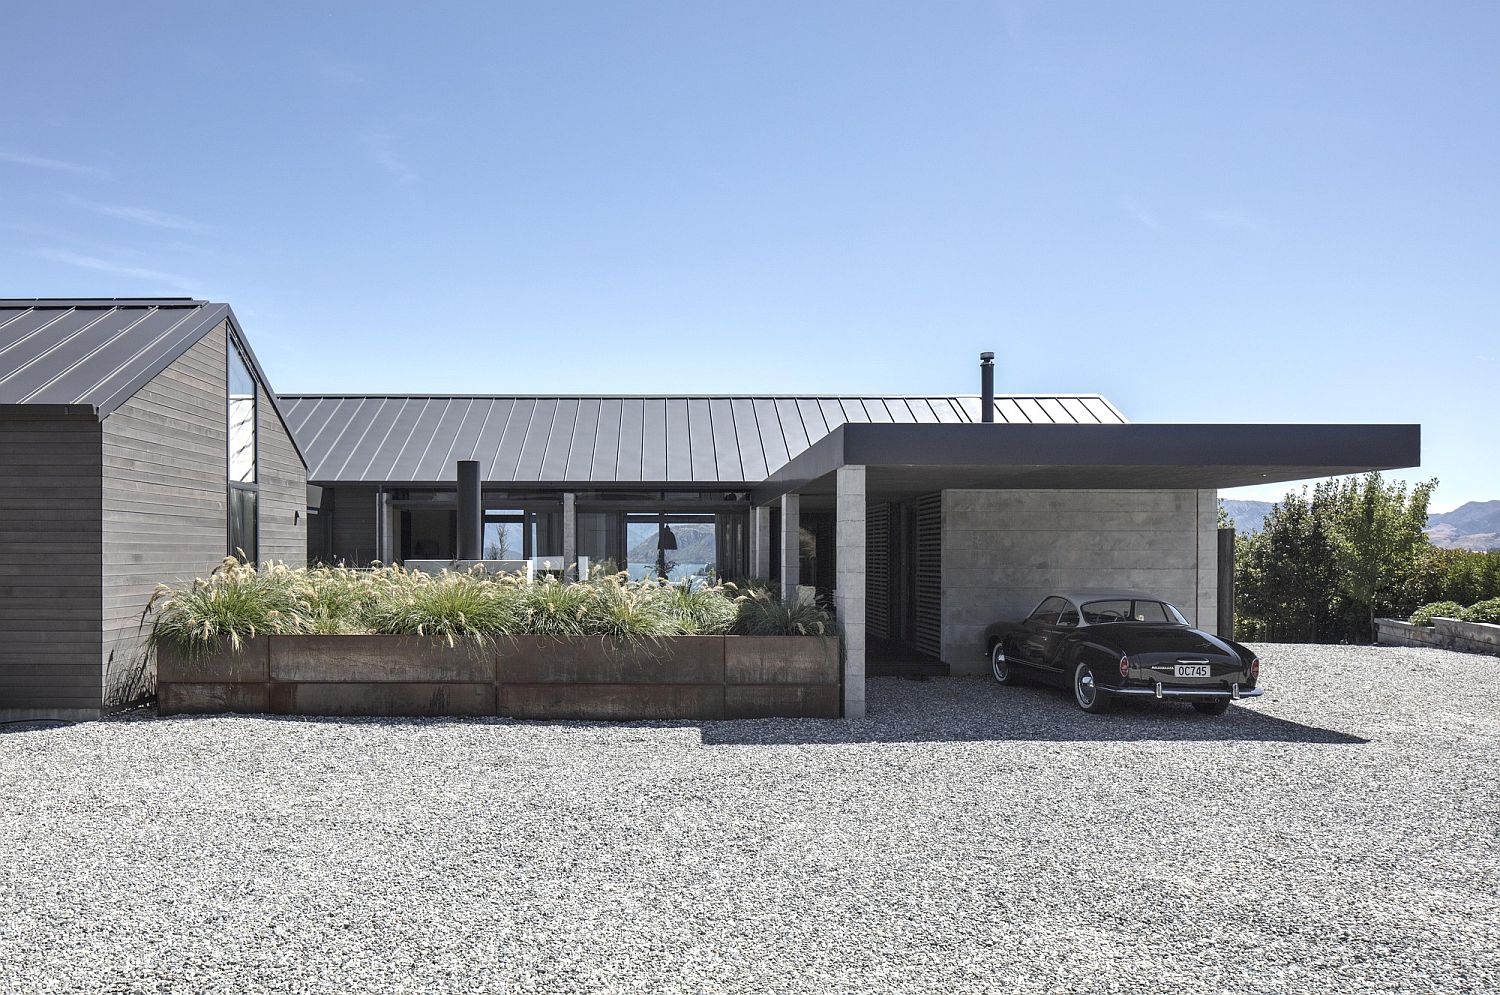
49	568
354	525
283	492
164	496
1005	550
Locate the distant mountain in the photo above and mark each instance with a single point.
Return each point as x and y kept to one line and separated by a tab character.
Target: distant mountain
1248	516
1475	525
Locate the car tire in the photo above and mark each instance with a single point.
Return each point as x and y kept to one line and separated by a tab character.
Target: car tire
1001	669
1211	707
1086	693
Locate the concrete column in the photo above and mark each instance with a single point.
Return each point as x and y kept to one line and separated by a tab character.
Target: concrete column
760	543
849	582
385	536
570	533
1207	522
791	544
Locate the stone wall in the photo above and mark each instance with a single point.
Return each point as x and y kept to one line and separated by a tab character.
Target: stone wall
1444	633
1005	550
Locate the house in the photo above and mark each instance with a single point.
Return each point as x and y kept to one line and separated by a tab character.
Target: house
140	443
920	519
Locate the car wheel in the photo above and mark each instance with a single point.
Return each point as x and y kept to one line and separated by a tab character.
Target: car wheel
1212	707
1000	667
1086	691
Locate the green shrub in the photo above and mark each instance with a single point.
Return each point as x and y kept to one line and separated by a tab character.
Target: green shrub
1485	611
762	615
703	610
615	607
1446	609
450	607
234	603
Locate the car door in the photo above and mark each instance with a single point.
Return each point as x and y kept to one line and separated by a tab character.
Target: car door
1052	642
1040	627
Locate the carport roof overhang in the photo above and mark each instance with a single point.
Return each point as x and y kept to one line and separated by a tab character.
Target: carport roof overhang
906	460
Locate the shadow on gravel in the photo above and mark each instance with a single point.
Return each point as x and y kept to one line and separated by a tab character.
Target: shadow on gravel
971	711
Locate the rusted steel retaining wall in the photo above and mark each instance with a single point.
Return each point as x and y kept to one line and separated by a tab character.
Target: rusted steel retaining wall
524	677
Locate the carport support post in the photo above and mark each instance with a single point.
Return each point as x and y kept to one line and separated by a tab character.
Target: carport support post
760	543
791	545
849	582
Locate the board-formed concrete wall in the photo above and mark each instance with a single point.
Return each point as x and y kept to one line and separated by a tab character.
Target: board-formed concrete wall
1005	550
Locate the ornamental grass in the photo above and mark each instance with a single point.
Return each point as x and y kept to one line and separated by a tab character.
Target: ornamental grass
239	602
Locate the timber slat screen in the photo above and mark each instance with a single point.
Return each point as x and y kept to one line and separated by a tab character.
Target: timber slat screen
928	628
878	570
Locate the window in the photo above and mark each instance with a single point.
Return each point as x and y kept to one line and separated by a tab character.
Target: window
1048	611
1128	610
244	491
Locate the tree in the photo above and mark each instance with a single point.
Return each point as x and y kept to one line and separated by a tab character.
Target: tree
1377	533
1284	575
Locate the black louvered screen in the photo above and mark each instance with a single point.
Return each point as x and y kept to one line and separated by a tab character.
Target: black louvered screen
928	613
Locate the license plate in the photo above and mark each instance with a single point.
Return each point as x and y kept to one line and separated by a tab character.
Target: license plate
1192	670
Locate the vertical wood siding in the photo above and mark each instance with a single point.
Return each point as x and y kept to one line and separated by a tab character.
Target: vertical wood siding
353	525
49	566
283	492
164	495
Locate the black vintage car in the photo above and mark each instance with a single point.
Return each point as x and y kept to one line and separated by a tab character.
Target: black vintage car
1113	644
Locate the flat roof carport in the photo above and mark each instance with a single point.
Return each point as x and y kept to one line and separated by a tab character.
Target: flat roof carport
906	460
857	463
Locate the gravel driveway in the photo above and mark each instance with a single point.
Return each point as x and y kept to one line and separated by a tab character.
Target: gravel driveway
1330	836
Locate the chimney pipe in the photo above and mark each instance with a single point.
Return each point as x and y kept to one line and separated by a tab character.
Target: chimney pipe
986	386
470	511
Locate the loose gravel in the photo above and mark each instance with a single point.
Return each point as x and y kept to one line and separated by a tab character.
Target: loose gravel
1338	834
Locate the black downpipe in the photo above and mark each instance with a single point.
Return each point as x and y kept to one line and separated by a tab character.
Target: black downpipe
987	386
470	511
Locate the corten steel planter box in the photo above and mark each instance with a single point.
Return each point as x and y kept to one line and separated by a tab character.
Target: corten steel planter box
526	677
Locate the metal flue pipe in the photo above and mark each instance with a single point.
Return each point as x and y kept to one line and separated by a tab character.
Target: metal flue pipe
987	386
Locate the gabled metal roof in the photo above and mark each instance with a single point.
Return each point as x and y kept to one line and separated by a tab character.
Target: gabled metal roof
616	439
72	356
94	352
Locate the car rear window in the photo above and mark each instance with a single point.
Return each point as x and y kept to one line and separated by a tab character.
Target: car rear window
1130	610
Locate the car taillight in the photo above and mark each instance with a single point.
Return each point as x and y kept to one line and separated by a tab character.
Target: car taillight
1124	666
1255	668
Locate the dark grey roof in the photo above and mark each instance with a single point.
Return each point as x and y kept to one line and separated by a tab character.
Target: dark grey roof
94	352
75	355
615	439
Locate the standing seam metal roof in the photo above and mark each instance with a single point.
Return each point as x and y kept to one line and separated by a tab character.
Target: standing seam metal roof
350	438
99	352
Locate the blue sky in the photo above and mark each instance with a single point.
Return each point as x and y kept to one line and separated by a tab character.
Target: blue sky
1207	212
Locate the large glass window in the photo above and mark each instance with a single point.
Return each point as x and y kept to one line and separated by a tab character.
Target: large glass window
241	420
244	540
671	546
243	497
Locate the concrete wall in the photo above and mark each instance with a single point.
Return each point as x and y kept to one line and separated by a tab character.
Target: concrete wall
49	568
1005	550
165	495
